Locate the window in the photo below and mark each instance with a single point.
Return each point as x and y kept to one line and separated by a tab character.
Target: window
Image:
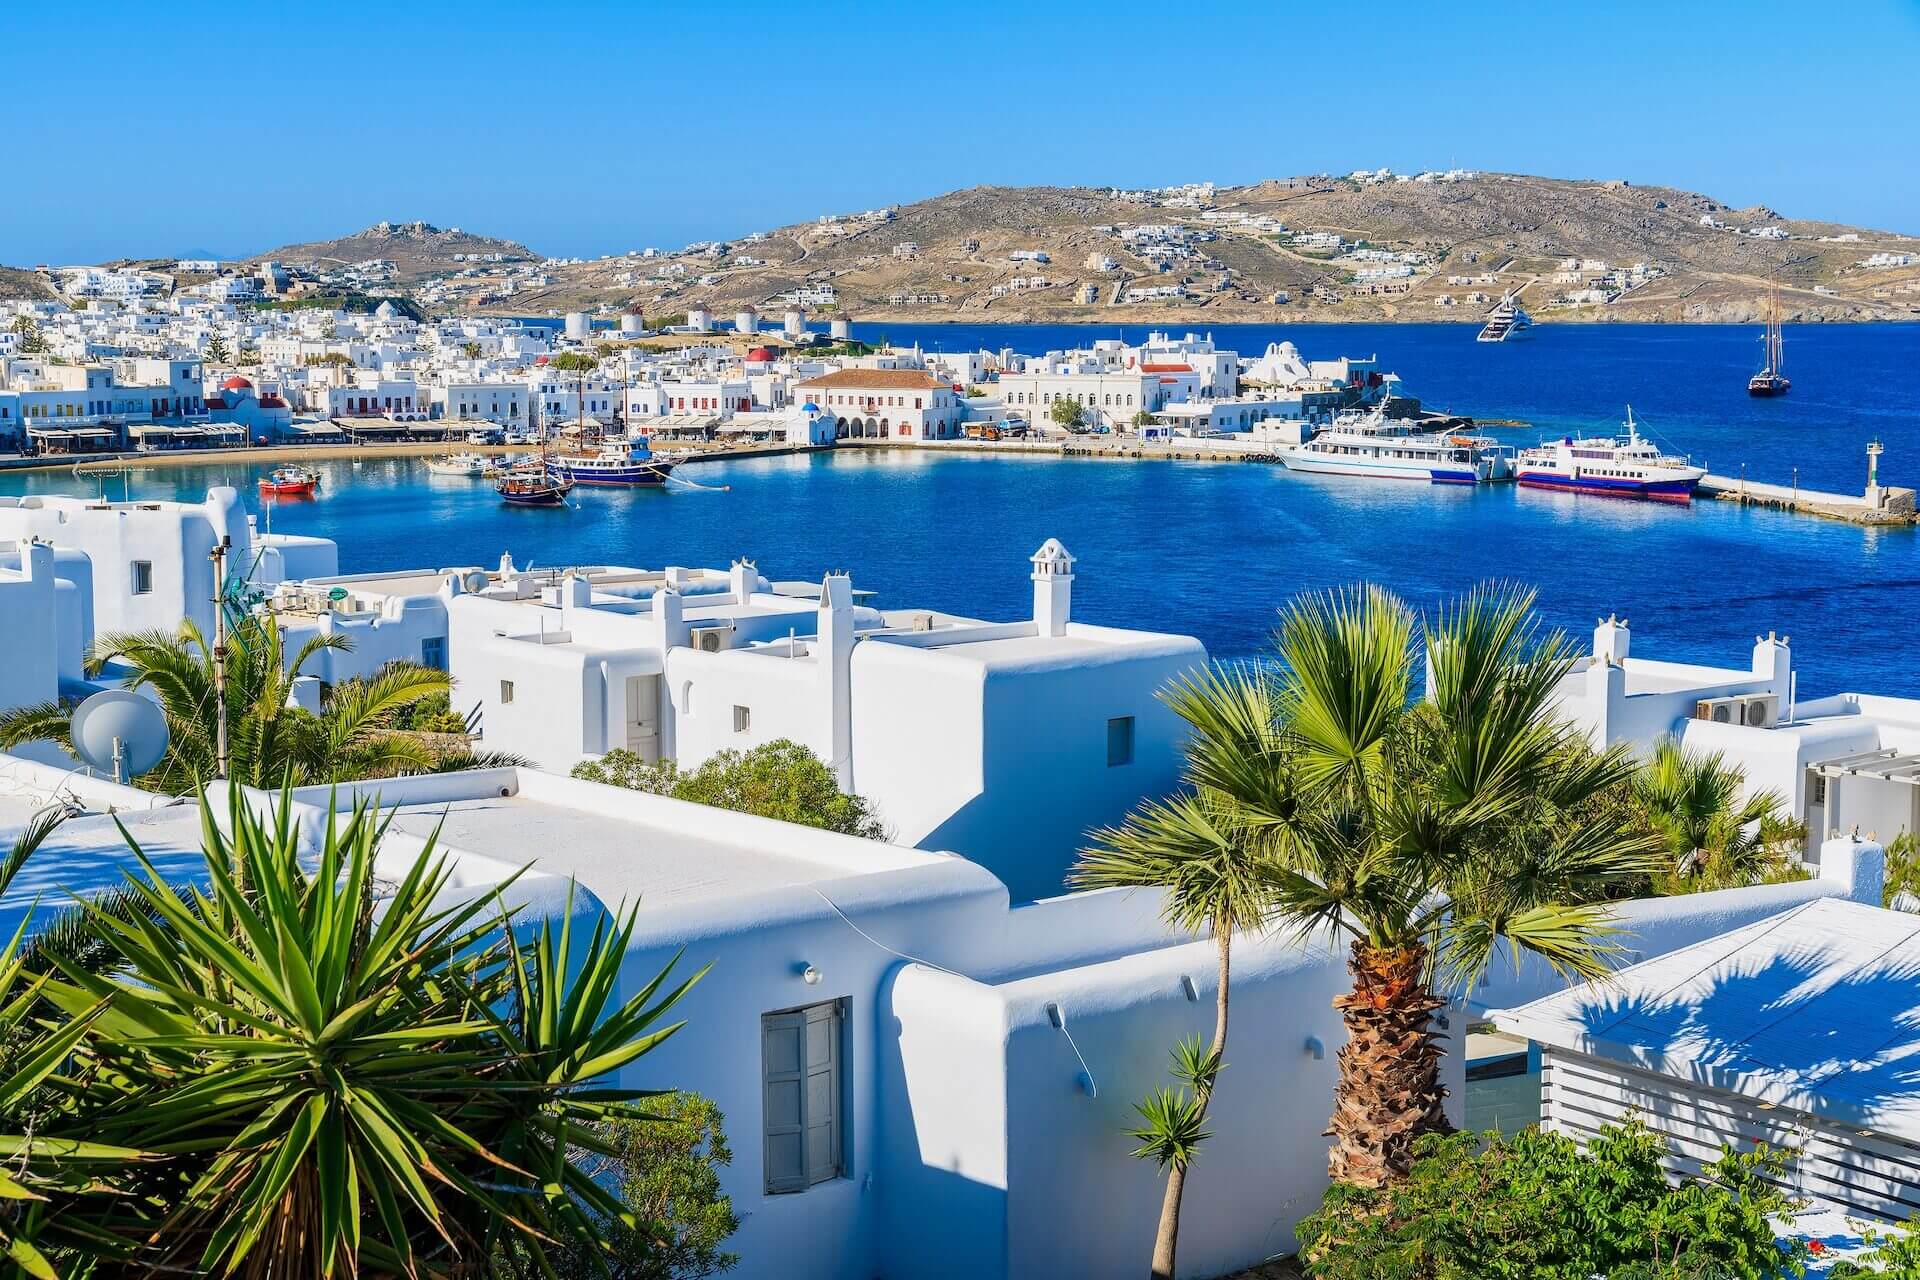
143	577
1119	741
800	1061
433	652
742	719
506	692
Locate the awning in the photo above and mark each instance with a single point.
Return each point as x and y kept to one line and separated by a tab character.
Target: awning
93	432
49	433
1886	764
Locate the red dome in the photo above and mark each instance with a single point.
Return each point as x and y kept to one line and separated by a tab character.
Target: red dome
237	383
760	355
540	360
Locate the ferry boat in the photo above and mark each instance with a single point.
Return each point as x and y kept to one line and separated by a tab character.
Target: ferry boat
1385	448
533	487
290	482
471	466
1621	468
1771	380
1506	320
616	463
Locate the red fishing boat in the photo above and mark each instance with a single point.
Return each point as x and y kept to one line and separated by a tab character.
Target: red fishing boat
290	482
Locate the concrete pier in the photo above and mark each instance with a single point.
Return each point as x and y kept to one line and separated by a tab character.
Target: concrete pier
1879	504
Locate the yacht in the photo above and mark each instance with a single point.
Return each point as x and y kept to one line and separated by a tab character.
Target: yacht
1622	468
1506	320
619	463
472	466
1375	445
1772	378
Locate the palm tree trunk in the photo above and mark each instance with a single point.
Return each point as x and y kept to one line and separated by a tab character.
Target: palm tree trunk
1389	1092
1166	1242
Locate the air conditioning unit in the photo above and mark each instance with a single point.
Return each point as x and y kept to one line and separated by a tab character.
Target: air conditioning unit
1719	710
711	639
1759	710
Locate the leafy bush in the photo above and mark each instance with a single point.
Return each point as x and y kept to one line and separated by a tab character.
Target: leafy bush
1891	1257
664	1170
779	779
1534	1207
1903	869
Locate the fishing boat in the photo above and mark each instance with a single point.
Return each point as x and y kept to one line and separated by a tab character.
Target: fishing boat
1506	321
1375	446
618	463
1630	467
533	487
290	482
470	466
1772	379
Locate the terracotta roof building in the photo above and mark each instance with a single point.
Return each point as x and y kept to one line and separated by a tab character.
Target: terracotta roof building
896	405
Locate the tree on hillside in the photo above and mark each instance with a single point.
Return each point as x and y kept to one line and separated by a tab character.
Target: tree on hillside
1390	822
470	350
779	779
31	342
1065	413
217	352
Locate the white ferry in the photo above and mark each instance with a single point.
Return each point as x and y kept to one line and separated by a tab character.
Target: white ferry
1629	468
1390	449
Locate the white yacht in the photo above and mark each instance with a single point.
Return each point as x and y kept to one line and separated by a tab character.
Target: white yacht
1507	320
1632	467
1375	445
471	466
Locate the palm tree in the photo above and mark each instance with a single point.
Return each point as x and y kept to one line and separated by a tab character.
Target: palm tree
580	364
269	739
1713	837
1209	867
1397	826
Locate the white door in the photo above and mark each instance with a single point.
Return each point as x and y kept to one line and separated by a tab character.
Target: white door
643	716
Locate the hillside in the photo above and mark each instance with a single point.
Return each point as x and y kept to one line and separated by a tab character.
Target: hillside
941	259
417	249
18	283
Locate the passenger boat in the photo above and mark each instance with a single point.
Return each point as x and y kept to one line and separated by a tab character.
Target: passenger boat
616	463
533	487
1379	447
471	466
1771	380
1620	468
1506	320
290	482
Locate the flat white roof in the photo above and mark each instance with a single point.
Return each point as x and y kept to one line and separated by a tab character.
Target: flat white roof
623	846
1816	1009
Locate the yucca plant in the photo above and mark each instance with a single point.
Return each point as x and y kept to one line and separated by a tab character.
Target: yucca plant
1389	823
338	1077
268	739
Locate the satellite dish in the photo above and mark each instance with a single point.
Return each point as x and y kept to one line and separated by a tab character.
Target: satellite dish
120	733
475	582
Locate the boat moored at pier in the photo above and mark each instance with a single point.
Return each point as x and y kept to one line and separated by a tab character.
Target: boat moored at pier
618	463
1375	446
1629	467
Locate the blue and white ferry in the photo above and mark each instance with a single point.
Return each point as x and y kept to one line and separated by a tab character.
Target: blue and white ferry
1382	448
1620	468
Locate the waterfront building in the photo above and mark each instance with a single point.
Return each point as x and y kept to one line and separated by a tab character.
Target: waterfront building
887	404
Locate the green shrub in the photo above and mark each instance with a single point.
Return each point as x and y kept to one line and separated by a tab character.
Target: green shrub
1890	1257
779	779
1534	1207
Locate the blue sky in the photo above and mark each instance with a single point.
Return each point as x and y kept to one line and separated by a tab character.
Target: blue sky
599	127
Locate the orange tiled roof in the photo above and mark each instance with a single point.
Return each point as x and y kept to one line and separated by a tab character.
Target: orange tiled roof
876	380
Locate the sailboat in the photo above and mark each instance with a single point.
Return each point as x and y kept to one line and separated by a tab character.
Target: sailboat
1771	380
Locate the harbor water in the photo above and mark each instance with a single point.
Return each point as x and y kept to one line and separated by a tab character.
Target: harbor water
1214	549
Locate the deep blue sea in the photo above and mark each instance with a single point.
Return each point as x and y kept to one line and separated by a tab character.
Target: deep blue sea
1214	549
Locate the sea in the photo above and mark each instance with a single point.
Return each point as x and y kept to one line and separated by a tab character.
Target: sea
1215	550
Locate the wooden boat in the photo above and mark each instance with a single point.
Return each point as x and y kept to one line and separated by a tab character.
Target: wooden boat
533	487
290	482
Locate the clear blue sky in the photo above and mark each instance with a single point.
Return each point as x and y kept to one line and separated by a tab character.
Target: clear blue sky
144	128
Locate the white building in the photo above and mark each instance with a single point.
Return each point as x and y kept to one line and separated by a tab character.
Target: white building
887	404
1003	741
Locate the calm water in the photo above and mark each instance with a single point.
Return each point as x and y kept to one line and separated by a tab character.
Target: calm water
1212	549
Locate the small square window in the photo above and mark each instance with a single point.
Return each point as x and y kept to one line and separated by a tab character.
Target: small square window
506	692
742	719
1119	741
143	577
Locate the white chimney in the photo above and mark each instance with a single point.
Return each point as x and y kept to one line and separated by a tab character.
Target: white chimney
1611	640
1052	588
